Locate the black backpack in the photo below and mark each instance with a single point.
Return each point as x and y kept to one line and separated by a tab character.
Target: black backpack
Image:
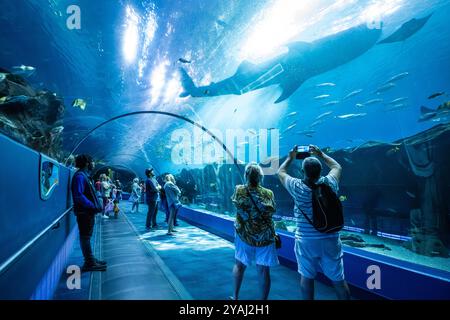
328	215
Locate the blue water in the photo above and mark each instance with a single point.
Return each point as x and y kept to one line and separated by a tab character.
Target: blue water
214	35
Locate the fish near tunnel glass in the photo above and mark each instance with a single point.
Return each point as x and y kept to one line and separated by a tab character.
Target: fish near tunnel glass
49	177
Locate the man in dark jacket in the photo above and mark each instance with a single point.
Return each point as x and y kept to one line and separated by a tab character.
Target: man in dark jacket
152	189
86	206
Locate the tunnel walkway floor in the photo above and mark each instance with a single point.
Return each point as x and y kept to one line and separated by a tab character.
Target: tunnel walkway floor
203	263
151	265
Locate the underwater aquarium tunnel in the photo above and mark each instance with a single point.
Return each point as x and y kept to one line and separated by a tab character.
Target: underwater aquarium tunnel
217	150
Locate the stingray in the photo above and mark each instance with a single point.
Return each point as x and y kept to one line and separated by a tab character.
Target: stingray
407	29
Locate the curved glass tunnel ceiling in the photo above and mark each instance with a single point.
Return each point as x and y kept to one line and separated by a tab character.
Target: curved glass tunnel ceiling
238	58
366	80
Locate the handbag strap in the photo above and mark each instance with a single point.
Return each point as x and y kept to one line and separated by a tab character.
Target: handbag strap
256	207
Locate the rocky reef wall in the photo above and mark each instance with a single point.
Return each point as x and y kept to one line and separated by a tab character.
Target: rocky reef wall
33	118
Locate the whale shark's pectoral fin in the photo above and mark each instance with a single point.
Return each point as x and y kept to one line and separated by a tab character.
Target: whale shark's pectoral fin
407	30
288	90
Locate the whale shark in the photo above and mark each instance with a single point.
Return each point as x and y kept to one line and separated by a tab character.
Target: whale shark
290	70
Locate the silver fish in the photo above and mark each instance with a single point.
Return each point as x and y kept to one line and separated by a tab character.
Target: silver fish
373	101
289	128
351	115
306	132
324	115
326	84
385	87
323	96
331	103
397	101
292	114
397	107
359	105
352	94
315	123
398	77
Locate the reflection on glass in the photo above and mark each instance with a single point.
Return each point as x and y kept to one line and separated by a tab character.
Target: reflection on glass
49	178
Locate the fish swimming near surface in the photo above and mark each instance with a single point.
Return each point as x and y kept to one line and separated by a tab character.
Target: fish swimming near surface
352	94
385	87
396	107
24	71
306	132
323	115
407	30
315	123
289	128
359	105
351	115
182	60
431	114
79	103
330	103
291	114
290	70
326	84
373	101
251	131
397	101
323	96
398	77
435	95
221	23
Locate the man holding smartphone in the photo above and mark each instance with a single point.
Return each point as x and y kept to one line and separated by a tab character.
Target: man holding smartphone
314	249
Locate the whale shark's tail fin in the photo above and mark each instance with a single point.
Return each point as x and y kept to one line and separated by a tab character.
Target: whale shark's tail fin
187	83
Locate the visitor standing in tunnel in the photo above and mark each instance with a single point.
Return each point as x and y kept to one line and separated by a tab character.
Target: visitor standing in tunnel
152	189
163	198
86	205
136	192
106	193
118	190
255	230
172	194
314	249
